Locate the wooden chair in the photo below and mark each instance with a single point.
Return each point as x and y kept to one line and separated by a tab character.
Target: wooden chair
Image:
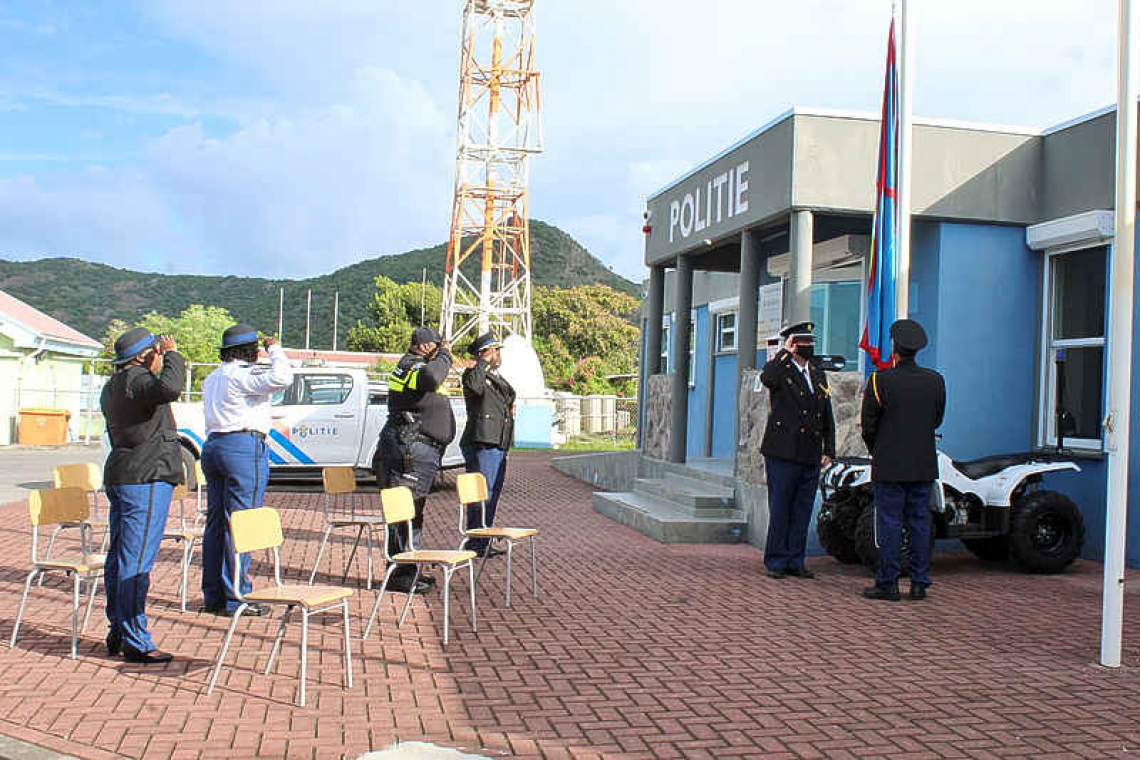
472	487
399	508
188	530
54	507
340	481
89	478
260	528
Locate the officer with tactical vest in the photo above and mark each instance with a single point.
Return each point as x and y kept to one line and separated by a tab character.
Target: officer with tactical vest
420	426
142	469
902	407
798	440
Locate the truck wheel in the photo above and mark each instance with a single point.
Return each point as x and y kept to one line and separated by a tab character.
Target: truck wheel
1046	532
831	536
995	549
865	542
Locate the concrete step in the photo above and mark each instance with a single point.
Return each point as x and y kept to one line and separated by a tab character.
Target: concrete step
698	497
669	522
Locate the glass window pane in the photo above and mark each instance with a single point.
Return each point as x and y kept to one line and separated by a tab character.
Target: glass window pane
1078	288
1082	376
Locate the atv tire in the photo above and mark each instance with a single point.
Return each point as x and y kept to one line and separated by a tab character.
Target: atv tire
832	538
1046	532
995	549
869	553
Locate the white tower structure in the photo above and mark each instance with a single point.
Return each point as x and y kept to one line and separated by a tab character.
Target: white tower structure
487	282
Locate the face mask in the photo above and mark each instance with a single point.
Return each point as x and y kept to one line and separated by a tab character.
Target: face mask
805	350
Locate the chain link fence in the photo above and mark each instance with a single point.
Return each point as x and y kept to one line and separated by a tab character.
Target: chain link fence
594	423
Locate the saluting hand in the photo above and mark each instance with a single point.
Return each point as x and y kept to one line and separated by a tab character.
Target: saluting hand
268	341
167	343
825	461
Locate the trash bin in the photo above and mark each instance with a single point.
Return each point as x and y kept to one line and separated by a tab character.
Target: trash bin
43	426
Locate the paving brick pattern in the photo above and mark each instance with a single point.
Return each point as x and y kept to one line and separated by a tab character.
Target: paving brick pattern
633	650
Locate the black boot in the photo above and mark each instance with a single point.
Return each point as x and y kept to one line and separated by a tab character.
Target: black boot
883	593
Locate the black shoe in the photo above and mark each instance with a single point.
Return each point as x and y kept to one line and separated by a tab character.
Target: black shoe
428	579
883	593
917	591
251	610
777	574
153	657
114	643
402	584
801	572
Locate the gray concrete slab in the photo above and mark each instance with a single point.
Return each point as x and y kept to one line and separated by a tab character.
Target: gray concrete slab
25	468
419	751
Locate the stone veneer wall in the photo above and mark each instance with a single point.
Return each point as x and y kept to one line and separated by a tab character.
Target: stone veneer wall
752	409
658	416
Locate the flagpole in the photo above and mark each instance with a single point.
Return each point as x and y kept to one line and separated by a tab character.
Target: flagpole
1116	425
906	120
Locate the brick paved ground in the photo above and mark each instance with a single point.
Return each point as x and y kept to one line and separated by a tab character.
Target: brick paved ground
634	649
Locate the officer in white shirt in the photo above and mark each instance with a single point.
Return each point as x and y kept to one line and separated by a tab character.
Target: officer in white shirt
235	457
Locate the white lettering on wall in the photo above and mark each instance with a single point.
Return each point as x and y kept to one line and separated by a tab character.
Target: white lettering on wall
689	214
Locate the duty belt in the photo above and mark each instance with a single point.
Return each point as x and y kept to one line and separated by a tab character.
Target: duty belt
246	431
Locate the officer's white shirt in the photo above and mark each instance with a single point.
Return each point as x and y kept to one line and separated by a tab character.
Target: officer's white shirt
236	395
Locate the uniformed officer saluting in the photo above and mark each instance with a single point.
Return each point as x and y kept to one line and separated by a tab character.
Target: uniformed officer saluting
798	440
902	407
420	425
235	457
140	474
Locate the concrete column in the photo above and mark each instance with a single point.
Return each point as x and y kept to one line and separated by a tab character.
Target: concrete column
748	316
798	308
682	306
655	315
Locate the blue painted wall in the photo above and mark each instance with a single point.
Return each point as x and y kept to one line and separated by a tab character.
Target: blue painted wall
724	406
698	403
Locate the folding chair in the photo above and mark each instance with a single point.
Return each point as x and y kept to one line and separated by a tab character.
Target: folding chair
89	478
400	508
338	482
55	507
260	528
187	531
472	487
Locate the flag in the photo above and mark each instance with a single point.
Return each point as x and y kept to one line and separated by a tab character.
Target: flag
882	260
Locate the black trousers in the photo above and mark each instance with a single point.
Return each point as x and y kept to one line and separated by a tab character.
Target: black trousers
414	465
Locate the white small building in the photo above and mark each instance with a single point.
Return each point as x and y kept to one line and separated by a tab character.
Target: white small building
41	365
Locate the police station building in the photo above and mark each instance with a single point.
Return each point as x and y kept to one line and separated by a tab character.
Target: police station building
1012	231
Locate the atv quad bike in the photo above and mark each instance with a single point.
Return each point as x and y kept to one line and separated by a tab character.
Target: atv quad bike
994	505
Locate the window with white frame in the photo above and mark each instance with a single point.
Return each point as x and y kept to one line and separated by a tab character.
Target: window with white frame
665	348
726	332
692	352
1074	329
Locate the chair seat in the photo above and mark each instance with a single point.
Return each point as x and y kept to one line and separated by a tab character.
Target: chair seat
358	520
434	557
511	533
306	596
83	564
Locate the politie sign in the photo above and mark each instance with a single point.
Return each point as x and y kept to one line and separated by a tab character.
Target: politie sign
688	214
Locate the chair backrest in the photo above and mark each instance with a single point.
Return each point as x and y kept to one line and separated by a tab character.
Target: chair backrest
254	529
472	487
398	504
339	480
84	476
50	506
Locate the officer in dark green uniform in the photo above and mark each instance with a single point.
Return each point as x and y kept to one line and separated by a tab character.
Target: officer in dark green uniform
419	427
902	407
798	440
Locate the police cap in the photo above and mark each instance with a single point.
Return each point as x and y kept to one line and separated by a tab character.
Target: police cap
132	343
483	342
425	335
908	335
238	335
798	330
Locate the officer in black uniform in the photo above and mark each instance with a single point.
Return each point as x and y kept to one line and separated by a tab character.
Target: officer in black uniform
798	440
419	427
902	407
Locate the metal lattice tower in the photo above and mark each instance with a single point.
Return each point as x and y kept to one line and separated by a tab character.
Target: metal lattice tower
487	283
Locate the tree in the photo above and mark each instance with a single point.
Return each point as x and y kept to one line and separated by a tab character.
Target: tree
394	311
584	337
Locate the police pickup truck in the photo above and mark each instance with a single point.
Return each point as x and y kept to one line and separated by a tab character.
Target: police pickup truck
327	417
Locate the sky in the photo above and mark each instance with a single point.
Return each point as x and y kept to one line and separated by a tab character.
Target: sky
287	138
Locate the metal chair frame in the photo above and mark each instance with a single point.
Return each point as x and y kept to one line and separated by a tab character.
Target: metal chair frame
339	481
260	528
472	489
188	535
399	508
56	506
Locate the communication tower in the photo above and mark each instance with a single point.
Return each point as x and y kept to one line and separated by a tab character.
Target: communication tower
487	281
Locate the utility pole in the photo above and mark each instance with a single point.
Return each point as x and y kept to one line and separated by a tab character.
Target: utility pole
308	311
280	313
336	315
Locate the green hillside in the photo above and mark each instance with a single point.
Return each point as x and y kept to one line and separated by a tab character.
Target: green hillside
88	296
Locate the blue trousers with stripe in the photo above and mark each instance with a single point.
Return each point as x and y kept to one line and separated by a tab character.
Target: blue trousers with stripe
137	518
791	496
236	467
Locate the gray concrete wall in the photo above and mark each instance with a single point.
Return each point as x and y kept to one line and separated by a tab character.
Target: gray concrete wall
1079	168
609	471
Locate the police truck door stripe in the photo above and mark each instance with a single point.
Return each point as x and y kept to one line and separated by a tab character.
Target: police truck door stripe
289	447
